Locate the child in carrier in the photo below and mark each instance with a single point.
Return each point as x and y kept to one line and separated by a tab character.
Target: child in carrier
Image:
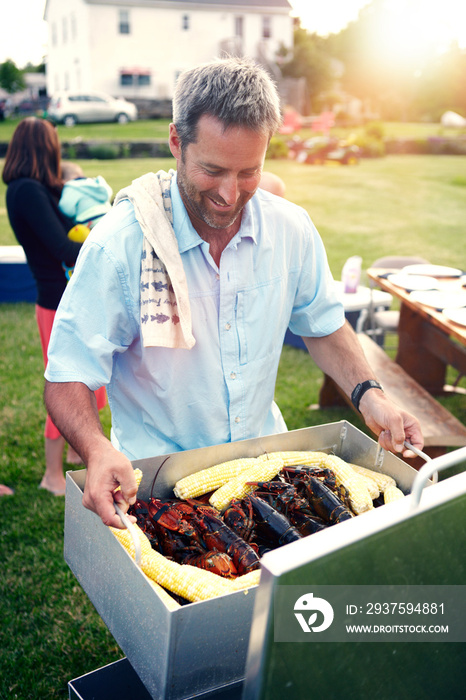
84	200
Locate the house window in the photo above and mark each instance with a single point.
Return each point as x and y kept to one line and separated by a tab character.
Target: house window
239	26
54	34
65	30
126	79
185	22
124	27
266	27
129	77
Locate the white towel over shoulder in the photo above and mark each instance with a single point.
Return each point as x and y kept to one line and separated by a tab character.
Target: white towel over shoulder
164	299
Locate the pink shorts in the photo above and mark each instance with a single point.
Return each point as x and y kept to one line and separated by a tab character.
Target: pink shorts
45	319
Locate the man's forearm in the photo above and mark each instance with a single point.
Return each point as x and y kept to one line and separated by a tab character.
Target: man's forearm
341	357
73	408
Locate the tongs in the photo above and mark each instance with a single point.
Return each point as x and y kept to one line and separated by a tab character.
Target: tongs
423	456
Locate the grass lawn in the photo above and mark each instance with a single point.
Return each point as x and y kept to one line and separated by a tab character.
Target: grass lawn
50	632
397	204
158	128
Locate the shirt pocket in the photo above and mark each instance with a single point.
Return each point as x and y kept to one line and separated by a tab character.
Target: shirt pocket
262	315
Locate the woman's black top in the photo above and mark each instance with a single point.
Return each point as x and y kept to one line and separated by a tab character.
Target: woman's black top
42	229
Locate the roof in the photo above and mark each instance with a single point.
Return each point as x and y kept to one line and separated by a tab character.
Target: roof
284	4
246	4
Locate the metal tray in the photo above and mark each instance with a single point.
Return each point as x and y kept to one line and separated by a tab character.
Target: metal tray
202	646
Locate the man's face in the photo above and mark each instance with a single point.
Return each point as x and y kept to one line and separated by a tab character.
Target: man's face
218	173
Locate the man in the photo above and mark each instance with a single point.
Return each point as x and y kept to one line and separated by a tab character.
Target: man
185	375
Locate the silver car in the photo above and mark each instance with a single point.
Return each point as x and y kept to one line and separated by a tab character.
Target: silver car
72	108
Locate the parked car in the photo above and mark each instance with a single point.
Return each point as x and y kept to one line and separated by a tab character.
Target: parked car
70	108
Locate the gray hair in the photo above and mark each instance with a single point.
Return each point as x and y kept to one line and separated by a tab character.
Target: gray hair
235	90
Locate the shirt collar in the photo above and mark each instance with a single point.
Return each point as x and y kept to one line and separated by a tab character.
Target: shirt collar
187	235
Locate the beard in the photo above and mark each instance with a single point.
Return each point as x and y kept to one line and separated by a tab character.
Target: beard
198	204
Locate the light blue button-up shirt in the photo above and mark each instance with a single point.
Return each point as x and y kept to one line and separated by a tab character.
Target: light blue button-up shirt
273	274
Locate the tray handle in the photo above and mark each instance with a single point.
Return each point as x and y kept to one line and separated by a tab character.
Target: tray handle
430	468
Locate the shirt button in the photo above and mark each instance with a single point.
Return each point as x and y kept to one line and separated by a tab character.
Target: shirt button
227	326
237	419
232	375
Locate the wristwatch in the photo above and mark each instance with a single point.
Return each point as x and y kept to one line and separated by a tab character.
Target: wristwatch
359	391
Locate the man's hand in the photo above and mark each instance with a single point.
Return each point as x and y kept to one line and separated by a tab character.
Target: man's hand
390	423
73	408
106	470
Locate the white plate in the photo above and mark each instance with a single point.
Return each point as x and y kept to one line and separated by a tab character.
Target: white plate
413	282
432	270
456	315
441	300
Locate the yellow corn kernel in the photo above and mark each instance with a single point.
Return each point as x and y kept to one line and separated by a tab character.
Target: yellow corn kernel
211	478
138	476
187	581
264	470
291	458
245	581
125	538
359	496
371	486
391	494
167	599
382	480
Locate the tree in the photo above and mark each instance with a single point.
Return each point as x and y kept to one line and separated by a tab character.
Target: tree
308	60
11	78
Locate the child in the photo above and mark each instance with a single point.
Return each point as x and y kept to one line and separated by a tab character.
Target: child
84	199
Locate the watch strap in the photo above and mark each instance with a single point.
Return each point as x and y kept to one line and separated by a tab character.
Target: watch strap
360	389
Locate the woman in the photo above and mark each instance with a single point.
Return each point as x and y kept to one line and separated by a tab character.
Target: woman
32	172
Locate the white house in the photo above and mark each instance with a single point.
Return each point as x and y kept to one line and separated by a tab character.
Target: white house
137	48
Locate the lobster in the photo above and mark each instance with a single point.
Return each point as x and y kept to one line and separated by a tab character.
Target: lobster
325	502
203	534
298	477
140	510
285	498
267	523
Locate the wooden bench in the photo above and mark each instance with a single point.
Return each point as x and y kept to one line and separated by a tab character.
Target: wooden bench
439	427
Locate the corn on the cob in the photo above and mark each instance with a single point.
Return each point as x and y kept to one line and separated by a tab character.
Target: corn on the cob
138	476
391	494
166	598
184	580
359	496
264	470
382	480
245	581
371	486
292	458
211	478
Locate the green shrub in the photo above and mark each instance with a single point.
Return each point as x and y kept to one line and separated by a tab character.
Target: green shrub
277	148
104	152
125	150
70	151
370	146
375	130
